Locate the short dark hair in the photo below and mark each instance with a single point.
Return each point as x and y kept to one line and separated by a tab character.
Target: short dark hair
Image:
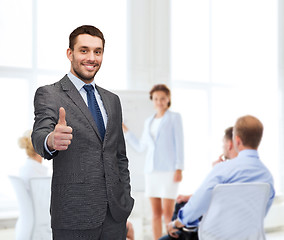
85	29
250	130
229	133
163	88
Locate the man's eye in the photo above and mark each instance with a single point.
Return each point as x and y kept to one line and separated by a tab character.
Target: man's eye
83	51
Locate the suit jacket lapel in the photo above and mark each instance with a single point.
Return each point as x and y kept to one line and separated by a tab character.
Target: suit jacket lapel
149	128
77	99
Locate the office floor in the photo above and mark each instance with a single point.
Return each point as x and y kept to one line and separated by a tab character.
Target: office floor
275	235
9	234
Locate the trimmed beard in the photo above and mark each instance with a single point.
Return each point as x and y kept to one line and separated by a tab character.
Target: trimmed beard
84	78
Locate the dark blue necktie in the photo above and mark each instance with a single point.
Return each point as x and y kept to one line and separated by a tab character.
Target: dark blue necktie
95	110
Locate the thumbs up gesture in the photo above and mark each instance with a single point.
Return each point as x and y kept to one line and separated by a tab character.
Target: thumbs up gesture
61	137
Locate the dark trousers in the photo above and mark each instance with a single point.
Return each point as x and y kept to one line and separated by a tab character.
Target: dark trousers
183	235
109	230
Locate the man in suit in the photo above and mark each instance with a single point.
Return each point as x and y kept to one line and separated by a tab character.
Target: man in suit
78	125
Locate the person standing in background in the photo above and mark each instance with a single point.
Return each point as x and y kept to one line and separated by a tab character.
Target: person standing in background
79	125
163	138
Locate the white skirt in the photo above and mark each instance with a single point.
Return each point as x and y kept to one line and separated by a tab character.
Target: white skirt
161	185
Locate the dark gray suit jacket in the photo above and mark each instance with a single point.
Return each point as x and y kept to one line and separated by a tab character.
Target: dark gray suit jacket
91	173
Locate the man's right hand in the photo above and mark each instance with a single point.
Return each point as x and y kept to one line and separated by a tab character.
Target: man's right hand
220	159
61	137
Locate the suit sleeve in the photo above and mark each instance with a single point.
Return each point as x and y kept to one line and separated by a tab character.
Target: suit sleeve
121	155
46	116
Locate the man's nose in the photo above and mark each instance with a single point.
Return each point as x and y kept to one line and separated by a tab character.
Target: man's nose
91	56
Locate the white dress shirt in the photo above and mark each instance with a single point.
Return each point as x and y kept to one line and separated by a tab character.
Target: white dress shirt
79	84
155	127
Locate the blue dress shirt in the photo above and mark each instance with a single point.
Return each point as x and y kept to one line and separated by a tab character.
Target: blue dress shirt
245	168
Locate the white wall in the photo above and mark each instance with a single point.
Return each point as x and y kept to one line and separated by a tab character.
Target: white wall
281	88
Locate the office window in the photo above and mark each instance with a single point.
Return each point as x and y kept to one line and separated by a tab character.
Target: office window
224	54
14	122
193	106
190	32
16	33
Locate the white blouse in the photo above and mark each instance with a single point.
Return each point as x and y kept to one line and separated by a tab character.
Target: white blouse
155	127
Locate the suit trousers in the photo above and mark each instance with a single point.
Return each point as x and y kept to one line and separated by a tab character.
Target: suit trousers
109	230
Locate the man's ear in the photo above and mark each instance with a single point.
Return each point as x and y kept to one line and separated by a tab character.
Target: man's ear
238	141
231	145
69	54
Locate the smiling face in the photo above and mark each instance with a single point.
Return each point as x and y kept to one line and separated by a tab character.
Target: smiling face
161	101
86	58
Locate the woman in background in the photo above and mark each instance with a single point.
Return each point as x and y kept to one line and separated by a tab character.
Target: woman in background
163	138
33	166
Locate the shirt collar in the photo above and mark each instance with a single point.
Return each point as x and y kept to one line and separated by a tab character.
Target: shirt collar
78	82
248	152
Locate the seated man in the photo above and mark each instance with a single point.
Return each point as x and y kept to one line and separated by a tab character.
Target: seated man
229	152
246	167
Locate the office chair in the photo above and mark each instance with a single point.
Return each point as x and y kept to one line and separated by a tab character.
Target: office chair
34	204
236	212
40	189
24	225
